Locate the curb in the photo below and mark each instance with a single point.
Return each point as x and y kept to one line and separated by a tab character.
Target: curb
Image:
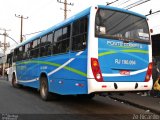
136	105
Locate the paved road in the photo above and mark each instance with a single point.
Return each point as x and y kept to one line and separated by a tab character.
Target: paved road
27	101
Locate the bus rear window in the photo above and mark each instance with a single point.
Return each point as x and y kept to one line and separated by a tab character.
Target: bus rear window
118	25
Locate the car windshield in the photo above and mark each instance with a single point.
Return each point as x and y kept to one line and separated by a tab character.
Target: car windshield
119	25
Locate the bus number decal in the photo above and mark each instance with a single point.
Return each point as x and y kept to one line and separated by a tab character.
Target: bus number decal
125	62
43	67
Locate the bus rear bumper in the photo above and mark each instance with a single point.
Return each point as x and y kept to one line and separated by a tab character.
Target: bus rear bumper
118	86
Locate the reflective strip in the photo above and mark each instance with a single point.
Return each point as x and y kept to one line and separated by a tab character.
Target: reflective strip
28	81
119	75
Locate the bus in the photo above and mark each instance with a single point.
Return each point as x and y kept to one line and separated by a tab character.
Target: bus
101	49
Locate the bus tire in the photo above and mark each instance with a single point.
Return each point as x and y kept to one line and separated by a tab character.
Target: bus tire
14	83
44	89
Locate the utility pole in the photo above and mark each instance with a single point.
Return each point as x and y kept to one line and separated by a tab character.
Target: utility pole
65	7
4	45
21	33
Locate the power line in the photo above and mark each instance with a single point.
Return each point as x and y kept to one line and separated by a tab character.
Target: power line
33	33
139	4
136	4
124	2
133	4
151	13
65	7
112	2
12	39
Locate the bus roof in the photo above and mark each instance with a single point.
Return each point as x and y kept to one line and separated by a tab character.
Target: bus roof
121	10
77	16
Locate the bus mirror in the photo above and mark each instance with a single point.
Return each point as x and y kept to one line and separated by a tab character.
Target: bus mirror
151	30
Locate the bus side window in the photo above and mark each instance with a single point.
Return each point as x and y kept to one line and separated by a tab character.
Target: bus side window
79	34
57	39
35	49
20	53
49	44
28	51
66	38
15	55
43	50
61	40
9	59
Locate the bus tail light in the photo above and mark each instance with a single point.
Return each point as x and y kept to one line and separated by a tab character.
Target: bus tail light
149	72
96	70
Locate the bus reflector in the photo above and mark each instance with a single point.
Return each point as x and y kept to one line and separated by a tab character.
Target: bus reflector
145	85
104	86
79	84
124	72
96	70
149	72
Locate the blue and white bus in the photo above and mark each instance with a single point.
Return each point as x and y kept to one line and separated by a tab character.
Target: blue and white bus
101	49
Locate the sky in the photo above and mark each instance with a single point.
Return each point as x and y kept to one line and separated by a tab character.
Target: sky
43	14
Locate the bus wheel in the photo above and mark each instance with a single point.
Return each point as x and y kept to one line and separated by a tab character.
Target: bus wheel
44	90
14	84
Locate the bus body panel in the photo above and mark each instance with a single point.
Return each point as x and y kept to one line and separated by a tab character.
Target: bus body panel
95	86
135	58
121	62
72	79
67	71
28	73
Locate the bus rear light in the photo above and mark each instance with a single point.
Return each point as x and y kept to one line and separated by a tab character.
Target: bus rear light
149	72
98	76
96	70
150	66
